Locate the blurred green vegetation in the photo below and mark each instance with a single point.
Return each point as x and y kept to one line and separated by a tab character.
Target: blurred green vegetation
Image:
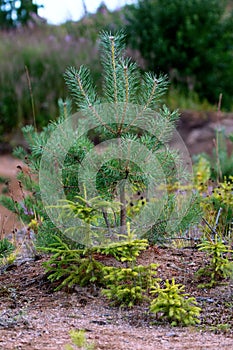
47	50
190	40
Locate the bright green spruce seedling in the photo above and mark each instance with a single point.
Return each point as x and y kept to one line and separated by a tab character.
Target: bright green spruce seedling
127	250
220	267
175	305
129	285
79	340
69	266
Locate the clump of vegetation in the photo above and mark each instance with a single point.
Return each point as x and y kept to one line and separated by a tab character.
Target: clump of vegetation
219	166
88	225
7	252
172	303
78	338
46	52
213	180
6	248
127	250
68	267
219	267
127	286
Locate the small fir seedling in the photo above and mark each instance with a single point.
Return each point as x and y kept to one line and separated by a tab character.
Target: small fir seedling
219	267
129	286
175	305
126	286
127	250
79	340
68	266
91	214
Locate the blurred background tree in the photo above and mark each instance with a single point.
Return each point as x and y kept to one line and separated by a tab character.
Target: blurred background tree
16	12
190	40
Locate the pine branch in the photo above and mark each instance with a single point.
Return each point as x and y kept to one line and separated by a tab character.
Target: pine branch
28	133
151	90
132	86
114	66
84	93
20	153
65	110
28	183
81	87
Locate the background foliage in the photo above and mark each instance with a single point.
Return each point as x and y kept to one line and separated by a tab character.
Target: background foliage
46	51
191	40
14	13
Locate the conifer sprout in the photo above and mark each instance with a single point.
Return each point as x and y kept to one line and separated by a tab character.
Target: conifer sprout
140	152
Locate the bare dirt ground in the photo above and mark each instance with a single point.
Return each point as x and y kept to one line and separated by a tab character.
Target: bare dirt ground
8	171
33	316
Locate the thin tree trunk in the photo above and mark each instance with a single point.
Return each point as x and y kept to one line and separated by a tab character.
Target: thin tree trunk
123	208
105	215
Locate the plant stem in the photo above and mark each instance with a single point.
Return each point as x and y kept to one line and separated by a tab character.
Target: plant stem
123	208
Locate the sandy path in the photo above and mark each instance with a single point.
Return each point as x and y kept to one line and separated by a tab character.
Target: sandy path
8	169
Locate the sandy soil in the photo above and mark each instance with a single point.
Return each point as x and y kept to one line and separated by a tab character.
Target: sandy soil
8	170
34	317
